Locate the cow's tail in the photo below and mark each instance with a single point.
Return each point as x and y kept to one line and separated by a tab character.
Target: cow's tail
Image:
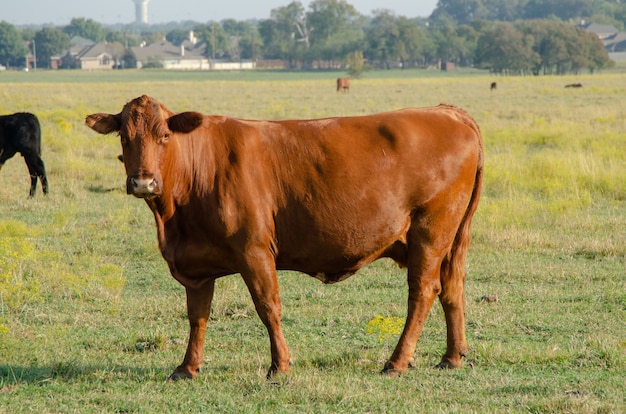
453	265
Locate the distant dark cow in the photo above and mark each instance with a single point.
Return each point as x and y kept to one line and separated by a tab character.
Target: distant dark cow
324	197
21	133
343	84
494	86
574	85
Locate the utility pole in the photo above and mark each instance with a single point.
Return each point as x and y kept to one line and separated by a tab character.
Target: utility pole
34	56
213	40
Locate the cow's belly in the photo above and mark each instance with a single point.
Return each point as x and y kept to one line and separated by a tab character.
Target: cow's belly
332	254
191	262
330	250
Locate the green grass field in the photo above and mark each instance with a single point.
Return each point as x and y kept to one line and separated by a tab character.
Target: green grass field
91	321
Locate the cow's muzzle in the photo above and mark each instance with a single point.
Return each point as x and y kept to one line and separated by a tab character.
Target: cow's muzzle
143	186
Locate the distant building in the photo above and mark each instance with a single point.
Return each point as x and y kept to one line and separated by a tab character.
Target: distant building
190	55
85	54
141	11
613	40
447	66
603	31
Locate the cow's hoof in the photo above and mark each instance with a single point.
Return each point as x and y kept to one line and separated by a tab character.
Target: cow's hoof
448	364
274	375
392	371
180	375
278	378
274	372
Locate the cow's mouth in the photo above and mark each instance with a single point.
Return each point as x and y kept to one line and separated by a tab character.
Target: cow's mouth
143	187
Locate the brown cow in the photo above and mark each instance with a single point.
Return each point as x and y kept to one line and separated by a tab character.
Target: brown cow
343	84
324	197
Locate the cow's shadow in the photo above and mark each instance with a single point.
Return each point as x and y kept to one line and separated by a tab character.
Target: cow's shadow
99	189
69	371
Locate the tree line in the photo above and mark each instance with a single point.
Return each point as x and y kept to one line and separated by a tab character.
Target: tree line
503	36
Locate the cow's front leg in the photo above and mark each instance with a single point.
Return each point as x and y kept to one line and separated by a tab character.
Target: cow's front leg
198	309
263	286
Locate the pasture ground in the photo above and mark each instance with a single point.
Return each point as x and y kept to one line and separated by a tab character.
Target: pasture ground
91	321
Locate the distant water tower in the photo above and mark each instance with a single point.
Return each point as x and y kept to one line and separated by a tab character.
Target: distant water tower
141	11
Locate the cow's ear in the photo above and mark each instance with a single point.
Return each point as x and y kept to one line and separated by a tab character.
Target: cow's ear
104	123
185	121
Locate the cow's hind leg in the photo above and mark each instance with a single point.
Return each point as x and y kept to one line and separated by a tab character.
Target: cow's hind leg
37	169
453	302
263	286
198	309
423	264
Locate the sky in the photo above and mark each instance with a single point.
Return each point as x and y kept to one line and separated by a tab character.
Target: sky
61	12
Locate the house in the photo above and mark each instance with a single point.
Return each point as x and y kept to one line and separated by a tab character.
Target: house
613	40
189	55
88	55
603	31
616	46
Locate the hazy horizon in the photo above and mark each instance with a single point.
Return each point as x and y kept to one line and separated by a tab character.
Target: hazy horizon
61	12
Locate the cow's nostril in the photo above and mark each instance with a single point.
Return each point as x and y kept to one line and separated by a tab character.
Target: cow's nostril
143	187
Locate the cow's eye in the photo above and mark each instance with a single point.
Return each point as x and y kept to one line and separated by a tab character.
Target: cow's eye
164	138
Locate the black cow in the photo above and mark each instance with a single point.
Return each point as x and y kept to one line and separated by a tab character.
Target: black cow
21	133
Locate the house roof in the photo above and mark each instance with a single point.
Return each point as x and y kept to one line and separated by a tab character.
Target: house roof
166	50
602	30
616	43
98	49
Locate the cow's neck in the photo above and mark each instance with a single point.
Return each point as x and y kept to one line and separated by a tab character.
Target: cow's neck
186	163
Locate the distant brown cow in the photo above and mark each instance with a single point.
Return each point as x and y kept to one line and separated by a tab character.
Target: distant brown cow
343	84
324	197
494	86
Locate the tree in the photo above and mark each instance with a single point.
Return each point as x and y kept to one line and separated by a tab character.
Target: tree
123	37
215	38
49	42
13	50
243	39
382	38
335	27
450	46
356	64
459	11
390	38
86	28
562	9
177	36
249	42
504	10
564	48
503	48
128	59
598	56
285	33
